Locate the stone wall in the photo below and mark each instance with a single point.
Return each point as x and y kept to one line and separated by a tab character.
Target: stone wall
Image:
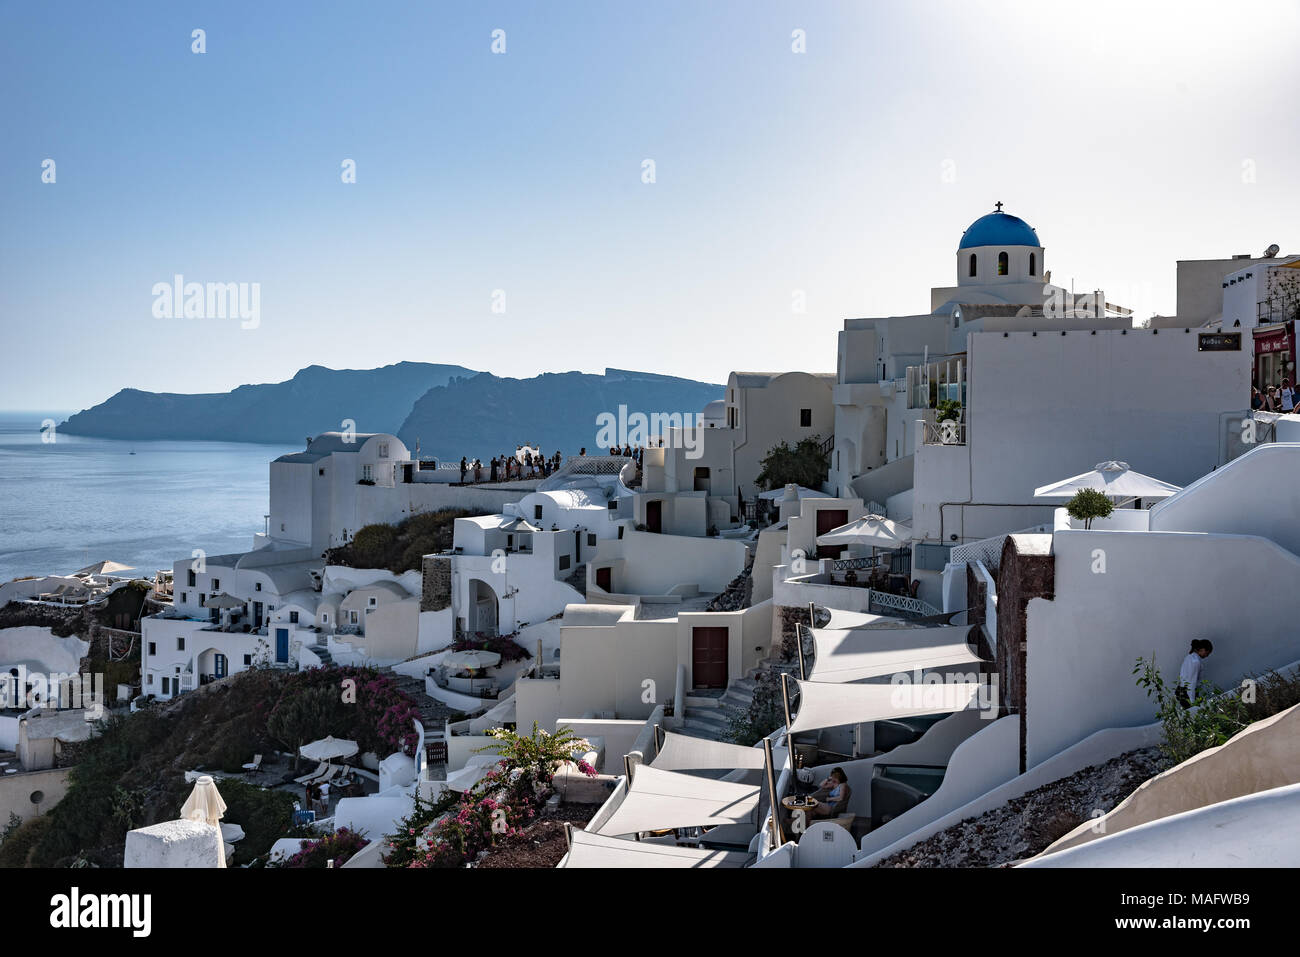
1023	574
435	588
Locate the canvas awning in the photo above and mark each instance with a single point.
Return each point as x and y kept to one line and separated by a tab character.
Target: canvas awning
597	850
667	799
1115	479
844	656
681	752
824	704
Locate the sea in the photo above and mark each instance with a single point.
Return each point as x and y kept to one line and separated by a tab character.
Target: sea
67	500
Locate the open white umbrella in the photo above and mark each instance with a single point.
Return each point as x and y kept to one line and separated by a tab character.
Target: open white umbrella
799	492
1112	478
103	568
472	659
874	530
328	748
206	806
223	601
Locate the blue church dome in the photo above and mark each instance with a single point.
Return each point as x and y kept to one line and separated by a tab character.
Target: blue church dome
999	229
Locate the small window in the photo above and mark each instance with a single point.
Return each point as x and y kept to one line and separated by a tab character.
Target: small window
591	539
185	596
1003	263
383	450
216	584
248	660
180	644
203	600
372	601
257	586
564	562
972	264
153	648
293	618
190	580
805	418
1033	264
537	512
320	471
352	616
367	473
613	505
282	526
148	679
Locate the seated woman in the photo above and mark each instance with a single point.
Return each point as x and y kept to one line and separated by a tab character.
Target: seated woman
833	796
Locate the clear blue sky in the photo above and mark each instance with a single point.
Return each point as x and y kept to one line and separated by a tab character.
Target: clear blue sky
1119	130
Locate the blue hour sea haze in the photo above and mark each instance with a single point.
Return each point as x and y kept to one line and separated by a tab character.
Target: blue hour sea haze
77	500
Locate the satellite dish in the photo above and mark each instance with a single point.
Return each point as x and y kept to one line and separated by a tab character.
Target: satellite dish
1272	251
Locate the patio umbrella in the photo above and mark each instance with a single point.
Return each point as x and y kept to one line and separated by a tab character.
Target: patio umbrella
103	568
874	530
799	492
1115	479
224	601
328	748
472	659
206	806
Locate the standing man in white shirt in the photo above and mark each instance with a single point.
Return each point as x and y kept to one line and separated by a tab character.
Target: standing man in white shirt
1189	676
1288	396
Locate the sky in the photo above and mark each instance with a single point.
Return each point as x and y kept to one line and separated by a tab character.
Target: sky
500	218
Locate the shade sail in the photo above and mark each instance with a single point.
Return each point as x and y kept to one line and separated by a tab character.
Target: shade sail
597	850
1112	478
842	620
328	748
824	704
681	752
667	799
874	530
843	656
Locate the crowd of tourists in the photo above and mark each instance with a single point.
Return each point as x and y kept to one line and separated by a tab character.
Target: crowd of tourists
1283	398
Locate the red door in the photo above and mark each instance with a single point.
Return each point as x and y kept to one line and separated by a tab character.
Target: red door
605	578
827	519
654	516
709	657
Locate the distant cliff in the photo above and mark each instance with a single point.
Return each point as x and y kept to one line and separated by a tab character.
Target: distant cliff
488	415
313	401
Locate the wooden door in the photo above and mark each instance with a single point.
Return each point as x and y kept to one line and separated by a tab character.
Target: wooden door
709	657
605	578
654	516
827	519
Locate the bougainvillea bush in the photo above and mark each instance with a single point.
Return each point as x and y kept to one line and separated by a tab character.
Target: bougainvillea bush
337	847
357	703
451	831
503	645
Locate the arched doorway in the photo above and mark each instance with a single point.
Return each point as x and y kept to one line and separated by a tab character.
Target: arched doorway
482	614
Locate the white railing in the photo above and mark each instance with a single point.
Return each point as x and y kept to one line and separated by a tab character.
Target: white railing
903	603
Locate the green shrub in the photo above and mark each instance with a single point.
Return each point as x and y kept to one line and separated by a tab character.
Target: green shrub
1088	504
18	845
1214	717
264	815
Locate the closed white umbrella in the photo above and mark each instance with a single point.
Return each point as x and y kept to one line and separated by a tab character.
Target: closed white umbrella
874	530
472	659
328	748
1112	478
206	806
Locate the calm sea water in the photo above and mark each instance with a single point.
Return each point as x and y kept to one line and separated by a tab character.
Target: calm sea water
76	500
